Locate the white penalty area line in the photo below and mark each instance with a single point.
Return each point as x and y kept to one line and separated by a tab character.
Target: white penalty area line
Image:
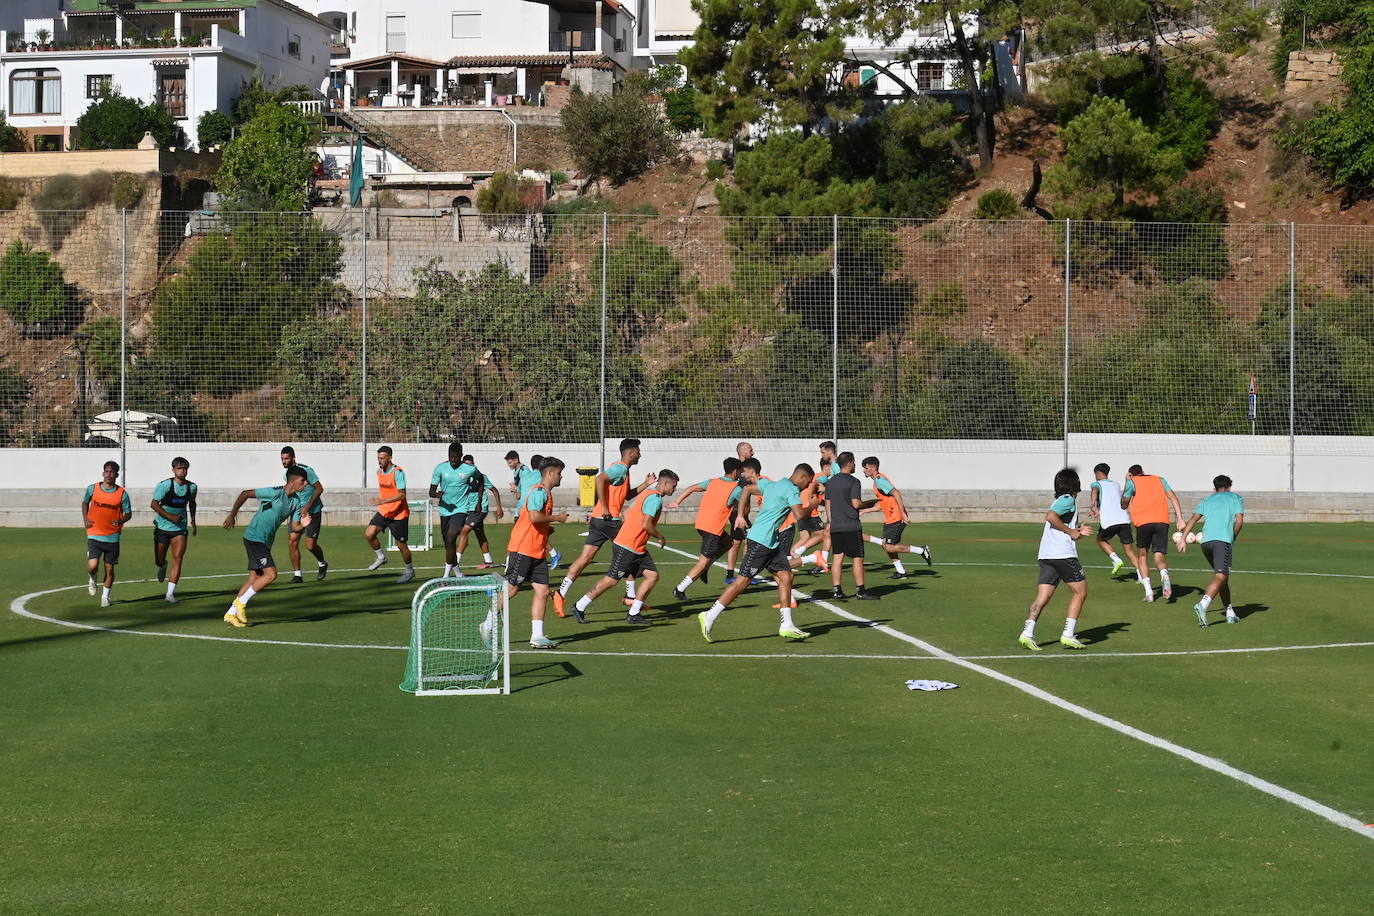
1310	805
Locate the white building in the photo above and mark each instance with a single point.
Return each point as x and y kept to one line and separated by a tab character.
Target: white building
485	52
192	56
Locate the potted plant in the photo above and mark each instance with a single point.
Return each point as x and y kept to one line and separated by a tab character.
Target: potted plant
43	35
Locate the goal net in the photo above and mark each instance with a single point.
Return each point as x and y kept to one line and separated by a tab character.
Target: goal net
459	638
421	526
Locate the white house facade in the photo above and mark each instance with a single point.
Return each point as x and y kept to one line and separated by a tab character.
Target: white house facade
192	56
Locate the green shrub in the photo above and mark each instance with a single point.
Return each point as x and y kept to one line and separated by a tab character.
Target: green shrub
118	122
616	136
1356	260
34	293
127	191
999	203
507	194
11	140
946	299
1186	240
60	205
96	188
715	169
214	129
15	390
680	108
557	178
102	350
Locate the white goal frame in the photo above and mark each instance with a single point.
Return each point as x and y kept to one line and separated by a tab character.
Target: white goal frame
423	539
500	598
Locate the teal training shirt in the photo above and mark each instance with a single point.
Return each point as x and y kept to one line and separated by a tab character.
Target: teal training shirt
524	479
177	494
1219	513
275	507
311	478
125	507
779	496
453	488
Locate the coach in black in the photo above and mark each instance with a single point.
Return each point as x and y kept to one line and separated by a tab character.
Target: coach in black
842	505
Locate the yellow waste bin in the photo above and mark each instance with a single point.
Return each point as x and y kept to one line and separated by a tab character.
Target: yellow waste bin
586	486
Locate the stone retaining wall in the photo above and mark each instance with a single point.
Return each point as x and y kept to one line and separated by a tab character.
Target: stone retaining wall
1311	68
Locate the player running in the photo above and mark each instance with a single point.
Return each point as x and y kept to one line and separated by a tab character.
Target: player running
393	514
277	504
174	515
744	453
1115	522
1148	498
814	528
104	510
451	485
895	519
1224	514
843	503
526	477
527	551
612	492
311	505
1059	561
780	497
720	495
483	507
630	553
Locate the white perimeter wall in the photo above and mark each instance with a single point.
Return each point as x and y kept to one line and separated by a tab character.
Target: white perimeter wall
1257	464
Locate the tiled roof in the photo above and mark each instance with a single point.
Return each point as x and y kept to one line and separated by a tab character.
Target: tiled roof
532	60
405	60
87	7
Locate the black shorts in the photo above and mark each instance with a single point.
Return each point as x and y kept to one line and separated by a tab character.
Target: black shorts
312	530
601	530
399	527
812	523
480	529
259	556
450	526
786	539
521	569
1155	536
475	518
892	532
1122	531
162	536
1052	572
713	546
626	563
847	543
109	550
1218	553
758	558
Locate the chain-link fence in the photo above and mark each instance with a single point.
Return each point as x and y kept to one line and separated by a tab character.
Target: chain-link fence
423	325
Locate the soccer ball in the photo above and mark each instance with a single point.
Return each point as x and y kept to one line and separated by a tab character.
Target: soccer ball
1193	537
1178	538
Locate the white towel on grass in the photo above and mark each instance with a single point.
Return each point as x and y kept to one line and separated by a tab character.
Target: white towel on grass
930	685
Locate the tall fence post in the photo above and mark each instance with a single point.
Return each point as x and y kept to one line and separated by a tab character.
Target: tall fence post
123	347
363	392
835	327
605	251
1292	354
1068	230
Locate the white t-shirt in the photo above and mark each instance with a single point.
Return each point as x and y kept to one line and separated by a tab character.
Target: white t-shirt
1109	503
1055	544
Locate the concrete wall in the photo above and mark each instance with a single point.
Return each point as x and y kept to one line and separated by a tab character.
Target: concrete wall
477	140
942	479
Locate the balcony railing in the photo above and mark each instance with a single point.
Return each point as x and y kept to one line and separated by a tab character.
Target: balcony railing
571	41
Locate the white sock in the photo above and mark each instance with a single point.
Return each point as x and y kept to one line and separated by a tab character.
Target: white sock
321	564
584	602
1114	558
1069	624
536	629
825	555
916	548
1230	611
1029	629
630	588
565	586
1164	576
243	599
410	567
486	558
716	610
804	560
381	554
901	570
448	570
171	589
458	562
874	540
796	551
785	614
296	573
686	581
93	580
104	592
637	606
1206	600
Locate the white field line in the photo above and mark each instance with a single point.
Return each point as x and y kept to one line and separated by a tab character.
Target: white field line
1338	818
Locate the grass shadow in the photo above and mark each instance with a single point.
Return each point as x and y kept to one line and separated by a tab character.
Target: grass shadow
530	671
1245	610
1102	632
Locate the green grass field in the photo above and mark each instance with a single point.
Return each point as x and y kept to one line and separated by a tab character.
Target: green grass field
644	770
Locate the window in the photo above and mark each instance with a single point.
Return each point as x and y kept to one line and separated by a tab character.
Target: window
467	25
395	34
35	92
931	30
293	47
171	93
930	76
98	85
